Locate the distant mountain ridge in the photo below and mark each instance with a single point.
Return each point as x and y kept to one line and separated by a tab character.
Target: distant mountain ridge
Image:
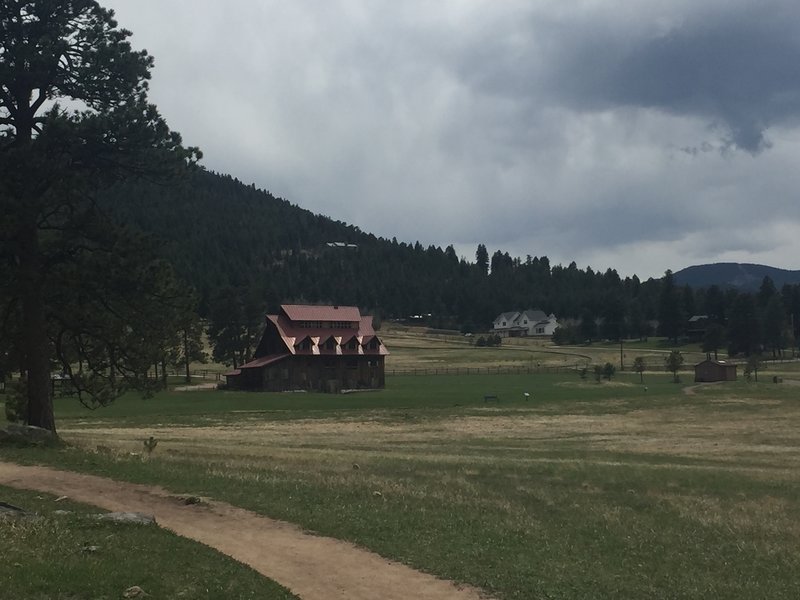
741	276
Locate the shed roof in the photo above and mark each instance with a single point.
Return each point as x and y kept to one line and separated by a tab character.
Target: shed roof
719	363
256	363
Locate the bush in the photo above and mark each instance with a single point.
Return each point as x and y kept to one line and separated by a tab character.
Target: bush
490	340
565	334
608	371
15	403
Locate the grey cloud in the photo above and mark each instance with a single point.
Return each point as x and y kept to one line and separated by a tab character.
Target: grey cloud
605	132
735	64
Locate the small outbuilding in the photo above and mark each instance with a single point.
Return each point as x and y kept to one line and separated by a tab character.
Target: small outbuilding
714	370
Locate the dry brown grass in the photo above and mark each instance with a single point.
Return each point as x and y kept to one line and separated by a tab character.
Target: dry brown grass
659	479
743	440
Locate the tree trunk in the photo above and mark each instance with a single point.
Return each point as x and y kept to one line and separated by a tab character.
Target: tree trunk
186	354
39	411
164	371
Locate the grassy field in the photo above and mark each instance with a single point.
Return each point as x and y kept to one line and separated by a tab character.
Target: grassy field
415	348
585	490
72	556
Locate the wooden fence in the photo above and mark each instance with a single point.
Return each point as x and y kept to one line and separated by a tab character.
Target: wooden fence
485	370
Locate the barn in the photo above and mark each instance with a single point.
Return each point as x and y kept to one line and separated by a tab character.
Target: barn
314	348
714	370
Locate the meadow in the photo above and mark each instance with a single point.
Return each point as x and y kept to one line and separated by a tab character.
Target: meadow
583	490
63	553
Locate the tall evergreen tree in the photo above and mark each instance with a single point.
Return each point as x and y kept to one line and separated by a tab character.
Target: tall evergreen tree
52	161
714	305
670	312
713	339
744	327
775	325
766	291
482	259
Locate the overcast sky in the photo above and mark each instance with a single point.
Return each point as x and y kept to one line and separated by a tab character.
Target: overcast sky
638	135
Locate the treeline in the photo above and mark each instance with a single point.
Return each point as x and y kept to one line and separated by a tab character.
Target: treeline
222	235
730	321
245	252
740	323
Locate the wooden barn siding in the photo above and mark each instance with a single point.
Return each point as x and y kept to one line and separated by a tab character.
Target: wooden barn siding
311	373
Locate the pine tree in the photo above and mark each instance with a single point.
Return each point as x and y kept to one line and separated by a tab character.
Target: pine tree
53	161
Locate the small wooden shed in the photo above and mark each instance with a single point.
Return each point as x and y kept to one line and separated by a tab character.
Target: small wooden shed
714	370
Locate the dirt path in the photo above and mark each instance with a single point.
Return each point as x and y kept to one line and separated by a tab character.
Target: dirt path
690	390
195	387
312	567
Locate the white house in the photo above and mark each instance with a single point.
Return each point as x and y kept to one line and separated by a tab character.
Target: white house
534	323
505	321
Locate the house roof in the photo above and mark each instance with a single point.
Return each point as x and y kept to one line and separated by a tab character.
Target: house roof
508	317
516	318
307	312
535	315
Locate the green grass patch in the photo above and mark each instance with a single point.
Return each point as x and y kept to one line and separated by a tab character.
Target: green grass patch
585	490
429	395
72	556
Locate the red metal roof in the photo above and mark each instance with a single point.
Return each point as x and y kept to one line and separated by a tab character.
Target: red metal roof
306	312
291	334
263	361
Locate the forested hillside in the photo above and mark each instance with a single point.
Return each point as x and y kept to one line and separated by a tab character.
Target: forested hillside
245	252
221	234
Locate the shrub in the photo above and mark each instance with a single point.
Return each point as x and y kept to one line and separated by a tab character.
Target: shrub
608	371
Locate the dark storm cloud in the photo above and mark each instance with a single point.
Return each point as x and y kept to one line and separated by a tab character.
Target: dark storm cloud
736	65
